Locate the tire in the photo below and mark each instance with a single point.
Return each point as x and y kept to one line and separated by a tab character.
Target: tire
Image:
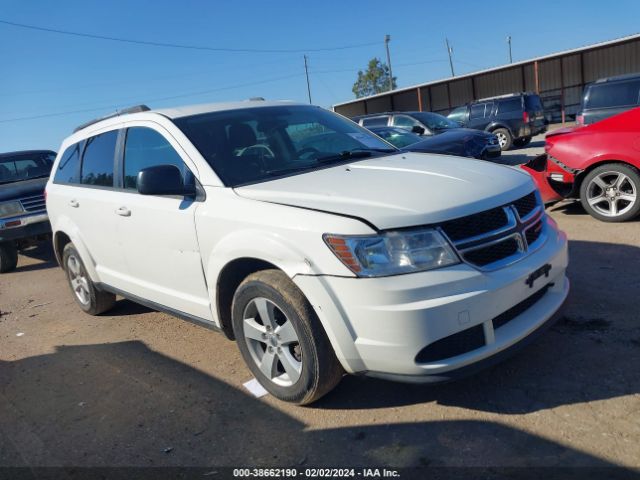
601	191
504	138
522	142
87	296
8	257
291	339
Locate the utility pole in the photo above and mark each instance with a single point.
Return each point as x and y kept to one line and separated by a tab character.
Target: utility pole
449	51
387	38
306	71
509	42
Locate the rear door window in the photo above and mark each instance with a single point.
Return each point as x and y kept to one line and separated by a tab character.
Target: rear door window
613	95
68	170
477	111
405	121
97	160
145	147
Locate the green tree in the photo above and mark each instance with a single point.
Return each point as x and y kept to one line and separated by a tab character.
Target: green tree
374	80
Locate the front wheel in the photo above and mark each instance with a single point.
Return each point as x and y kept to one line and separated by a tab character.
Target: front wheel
281	339
8	257
504	138
610	193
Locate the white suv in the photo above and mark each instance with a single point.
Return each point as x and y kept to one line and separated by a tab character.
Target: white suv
316	245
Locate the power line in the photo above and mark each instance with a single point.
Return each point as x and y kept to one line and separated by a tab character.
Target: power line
148	100
177	45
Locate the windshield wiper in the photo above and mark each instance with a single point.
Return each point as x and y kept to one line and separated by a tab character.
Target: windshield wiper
356	153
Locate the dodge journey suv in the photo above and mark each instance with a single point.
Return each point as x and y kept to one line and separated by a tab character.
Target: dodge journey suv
317	246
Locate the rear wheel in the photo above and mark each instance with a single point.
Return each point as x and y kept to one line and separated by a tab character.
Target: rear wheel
522	142
610	193
85	293
8	257
281	339
504	138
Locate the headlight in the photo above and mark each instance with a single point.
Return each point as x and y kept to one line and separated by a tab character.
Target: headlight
392	253
9	209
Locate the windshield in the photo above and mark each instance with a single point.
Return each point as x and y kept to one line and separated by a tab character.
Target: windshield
397	137
21	167
435	121
252	145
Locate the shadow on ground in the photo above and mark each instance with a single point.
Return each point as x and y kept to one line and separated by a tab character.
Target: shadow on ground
123	404
42	253
571	363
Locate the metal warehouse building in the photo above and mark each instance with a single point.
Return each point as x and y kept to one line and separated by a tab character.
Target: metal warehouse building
558	78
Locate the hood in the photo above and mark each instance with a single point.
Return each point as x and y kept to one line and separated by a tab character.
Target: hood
467	132
23	188
401	190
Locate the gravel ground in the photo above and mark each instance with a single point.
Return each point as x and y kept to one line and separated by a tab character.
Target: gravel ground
138	387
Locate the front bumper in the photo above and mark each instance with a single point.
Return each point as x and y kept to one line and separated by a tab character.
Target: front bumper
24	226
491	152
378	326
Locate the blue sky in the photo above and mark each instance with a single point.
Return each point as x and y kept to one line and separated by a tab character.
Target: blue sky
45	73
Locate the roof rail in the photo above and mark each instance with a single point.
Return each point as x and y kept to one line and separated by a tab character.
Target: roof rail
256	99
117	113
506	95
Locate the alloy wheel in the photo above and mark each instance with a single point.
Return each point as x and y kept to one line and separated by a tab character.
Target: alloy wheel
612	193
502	139
272	341
79	281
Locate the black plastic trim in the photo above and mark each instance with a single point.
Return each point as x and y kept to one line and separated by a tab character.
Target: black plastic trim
162	308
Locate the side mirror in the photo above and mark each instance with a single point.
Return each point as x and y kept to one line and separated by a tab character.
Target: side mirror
163	180
417	129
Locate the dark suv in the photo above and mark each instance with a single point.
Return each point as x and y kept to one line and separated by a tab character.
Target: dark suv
23	214
513	118
609	96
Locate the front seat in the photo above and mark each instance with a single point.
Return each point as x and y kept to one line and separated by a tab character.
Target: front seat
241	136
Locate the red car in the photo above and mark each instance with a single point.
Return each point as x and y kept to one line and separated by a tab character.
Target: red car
598	163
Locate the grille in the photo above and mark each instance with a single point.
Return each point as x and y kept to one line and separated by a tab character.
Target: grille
501	233
520	308
492	253
526	204
456	344
33	204
533	233
473	225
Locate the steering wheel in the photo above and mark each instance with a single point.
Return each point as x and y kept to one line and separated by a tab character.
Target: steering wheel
260	153
309	150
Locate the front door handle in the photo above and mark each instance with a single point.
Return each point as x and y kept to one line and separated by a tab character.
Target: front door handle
74	203
123	212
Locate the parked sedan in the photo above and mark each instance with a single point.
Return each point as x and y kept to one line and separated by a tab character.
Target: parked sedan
598	163
456	141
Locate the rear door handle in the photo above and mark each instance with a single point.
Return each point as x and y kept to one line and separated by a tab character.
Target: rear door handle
74	203
123	212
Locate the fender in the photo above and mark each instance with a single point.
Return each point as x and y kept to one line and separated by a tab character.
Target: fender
493	125
65	225
255	244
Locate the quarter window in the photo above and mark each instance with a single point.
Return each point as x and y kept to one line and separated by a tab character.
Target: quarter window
511	105
375	121
68	170
145	148
97	161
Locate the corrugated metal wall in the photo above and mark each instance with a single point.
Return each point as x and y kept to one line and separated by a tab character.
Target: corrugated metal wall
560	83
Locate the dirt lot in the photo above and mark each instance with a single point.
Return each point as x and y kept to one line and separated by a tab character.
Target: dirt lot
137	387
